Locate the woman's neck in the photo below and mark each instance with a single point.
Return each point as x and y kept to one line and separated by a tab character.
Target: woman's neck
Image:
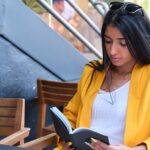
123	70
117	76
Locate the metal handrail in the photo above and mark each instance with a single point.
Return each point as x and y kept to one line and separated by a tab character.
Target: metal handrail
101	7
84	16
45	5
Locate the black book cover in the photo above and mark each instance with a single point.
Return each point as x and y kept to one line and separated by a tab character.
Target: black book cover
78	136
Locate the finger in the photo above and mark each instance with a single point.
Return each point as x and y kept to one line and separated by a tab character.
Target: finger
69	143
88	144
98	145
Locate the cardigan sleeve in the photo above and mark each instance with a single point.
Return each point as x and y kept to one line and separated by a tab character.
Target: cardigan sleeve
72	110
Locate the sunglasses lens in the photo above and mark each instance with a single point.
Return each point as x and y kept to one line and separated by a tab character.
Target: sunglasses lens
132	8
129	7
115	5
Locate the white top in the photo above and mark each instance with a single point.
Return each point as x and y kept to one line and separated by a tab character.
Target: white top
107	118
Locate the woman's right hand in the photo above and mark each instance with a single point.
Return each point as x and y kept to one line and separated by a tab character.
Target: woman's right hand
67	146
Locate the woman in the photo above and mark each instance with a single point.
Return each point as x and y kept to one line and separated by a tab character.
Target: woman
113	95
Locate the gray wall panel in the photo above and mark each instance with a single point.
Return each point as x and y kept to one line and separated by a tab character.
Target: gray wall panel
27	31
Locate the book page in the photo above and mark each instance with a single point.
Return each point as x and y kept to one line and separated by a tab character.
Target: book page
62	118
81	128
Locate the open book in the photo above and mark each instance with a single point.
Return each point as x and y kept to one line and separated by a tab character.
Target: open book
78	136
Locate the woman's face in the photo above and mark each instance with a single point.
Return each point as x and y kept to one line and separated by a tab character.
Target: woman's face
116	48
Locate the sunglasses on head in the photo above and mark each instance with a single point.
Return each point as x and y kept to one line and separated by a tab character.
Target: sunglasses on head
129	8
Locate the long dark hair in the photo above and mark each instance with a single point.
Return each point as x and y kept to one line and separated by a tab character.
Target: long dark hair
135	27
136	30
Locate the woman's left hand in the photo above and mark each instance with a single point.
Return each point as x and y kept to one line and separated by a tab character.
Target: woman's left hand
120	147
123	147
98	145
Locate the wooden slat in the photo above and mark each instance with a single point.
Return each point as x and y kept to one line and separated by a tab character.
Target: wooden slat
59	90
5	121
56	103
5	131
41	142
6	102
58	84
57	96
7	112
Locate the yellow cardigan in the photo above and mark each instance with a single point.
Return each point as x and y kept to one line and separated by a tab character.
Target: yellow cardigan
137	129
